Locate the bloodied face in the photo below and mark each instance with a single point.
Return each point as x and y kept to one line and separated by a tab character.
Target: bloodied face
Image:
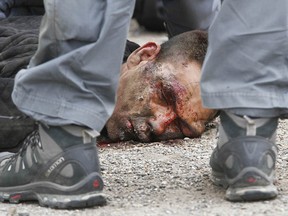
159	94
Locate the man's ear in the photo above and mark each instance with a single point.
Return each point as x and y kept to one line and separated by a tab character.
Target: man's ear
144	53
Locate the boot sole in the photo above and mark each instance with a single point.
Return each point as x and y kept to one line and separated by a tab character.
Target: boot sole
251	193
57	196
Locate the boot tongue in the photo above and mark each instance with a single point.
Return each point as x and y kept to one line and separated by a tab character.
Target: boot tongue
251	127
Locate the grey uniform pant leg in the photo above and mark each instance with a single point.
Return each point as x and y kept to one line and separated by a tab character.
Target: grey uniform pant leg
73	76
246	66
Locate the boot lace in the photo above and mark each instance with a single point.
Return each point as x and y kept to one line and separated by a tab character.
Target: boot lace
32	140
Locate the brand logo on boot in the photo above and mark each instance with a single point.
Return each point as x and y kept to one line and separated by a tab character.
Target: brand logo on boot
54	166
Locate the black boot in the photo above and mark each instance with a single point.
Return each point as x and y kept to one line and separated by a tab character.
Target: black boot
245	156
57	166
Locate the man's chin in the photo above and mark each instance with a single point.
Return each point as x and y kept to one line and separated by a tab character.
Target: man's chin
153	138
114	135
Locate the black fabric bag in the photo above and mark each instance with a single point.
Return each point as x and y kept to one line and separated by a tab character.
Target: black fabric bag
14	126
18	42
147	14
21	8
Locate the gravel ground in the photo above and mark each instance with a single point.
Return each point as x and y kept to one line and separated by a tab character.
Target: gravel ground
167	178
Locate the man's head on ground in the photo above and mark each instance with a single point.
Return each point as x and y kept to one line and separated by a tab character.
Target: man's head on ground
159	96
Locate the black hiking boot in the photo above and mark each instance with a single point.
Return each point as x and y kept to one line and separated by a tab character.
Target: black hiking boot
56	166
245	156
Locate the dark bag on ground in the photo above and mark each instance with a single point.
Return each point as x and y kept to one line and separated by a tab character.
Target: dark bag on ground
147	14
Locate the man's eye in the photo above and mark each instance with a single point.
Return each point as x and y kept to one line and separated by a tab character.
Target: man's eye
168	95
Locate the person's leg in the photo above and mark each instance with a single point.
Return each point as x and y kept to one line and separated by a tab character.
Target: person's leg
69	87
186	15
74	74
245	76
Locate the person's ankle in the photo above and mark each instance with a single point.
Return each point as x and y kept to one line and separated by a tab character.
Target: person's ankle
232	126
66	135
